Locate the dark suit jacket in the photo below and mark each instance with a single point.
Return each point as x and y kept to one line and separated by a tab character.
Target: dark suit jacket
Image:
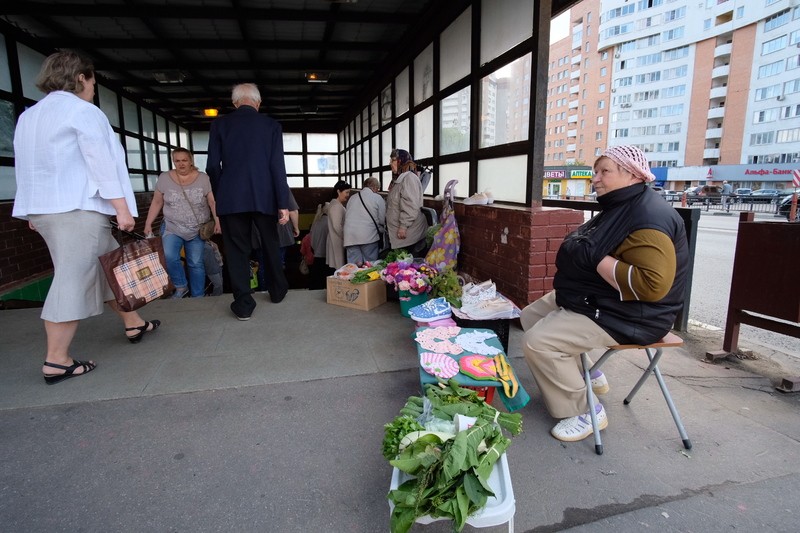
245	163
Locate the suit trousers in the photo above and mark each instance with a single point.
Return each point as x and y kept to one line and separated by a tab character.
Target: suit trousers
553	341
237	232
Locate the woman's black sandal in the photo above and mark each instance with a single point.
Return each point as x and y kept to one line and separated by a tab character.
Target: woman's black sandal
142	330
69	371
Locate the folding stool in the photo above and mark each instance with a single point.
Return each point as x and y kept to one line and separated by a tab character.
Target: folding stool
653	352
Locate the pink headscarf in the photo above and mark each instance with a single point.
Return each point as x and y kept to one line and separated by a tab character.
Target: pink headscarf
631	159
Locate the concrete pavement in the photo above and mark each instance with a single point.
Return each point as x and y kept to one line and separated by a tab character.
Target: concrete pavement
275	424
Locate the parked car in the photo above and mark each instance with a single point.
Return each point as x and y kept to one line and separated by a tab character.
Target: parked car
764	195
672	196
706	194
743	191
785	205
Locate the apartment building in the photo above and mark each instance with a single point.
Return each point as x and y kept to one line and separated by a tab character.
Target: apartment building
710	90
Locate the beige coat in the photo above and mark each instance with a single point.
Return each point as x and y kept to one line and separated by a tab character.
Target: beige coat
334	250
403	206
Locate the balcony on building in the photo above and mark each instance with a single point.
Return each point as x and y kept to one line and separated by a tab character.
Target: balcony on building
711	153
723	50
576	59
572	119
570	148
573	104
721	71
716	112
572	134
575	74
718	92
714	134
575	89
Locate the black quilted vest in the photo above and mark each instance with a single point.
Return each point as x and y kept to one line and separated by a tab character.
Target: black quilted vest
580	288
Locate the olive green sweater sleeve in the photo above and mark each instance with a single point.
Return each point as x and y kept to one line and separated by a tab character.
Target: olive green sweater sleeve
645	268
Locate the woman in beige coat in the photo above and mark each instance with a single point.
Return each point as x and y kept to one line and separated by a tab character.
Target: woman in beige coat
334	249
404	219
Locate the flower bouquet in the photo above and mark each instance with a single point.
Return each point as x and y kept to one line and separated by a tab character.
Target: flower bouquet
405	275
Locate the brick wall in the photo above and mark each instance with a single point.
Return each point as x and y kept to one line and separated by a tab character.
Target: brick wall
514	246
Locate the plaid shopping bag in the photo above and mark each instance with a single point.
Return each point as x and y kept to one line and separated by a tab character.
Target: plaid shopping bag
136	273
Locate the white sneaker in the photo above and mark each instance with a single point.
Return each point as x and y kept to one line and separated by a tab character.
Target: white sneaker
489	309
476	199
579	427
600	384
472	294
489	198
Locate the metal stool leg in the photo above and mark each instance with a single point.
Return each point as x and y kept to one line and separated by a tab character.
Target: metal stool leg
653	367
598	443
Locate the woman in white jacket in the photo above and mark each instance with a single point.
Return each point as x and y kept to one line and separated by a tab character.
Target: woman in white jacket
404	219
364	223
334	253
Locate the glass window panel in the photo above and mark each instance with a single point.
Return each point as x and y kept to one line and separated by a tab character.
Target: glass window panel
6	129
294	164
456	47
401	99
130	116
322	164
386	179
108	104
322	181
358	164
8	183
386	147
292	142
342	141
423	75
505	176
365	122
454	171
30	63
386	105
374	115
161	125
173	134
322	142
504	26
137	183
183	137
200	161
151	156
200	141
423	133
366	161
151	181
164	158
5	73
295	182
455	121
402	137
134	152
375	151
148	125
505	103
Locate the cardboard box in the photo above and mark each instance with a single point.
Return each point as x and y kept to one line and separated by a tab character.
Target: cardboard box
363	296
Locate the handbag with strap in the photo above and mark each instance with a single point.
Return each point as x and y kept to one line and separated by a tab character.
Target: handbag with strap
136	272
383	236
206	229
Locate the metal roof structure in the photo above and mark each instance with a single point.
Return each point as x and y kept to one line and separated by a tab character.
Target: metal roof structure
181	56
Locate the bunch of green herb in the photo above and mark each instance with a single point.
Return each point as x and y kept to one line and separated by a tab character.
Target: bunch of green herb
394	432
446	284
449	399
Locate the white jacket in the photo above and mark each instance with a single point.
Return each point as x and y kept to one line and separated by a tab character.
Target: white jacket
358	226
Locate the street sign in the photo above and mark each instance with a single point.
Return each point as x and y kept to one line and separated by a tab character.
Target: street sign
796	177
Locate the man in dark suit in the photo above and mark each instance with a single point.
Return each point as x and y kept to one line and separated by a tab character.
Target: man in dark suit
248	177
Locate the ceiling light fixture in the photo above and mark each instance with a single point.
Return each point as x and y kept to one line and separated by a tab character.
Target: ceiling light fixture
308	109
211	112
318	77
169	76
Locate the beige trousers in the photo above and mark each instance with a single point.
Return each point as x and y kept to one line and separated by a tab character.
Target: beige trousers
553	341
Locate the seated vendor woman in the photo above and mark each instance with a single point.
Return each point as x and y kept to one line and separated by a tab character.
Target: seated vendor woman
621	279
